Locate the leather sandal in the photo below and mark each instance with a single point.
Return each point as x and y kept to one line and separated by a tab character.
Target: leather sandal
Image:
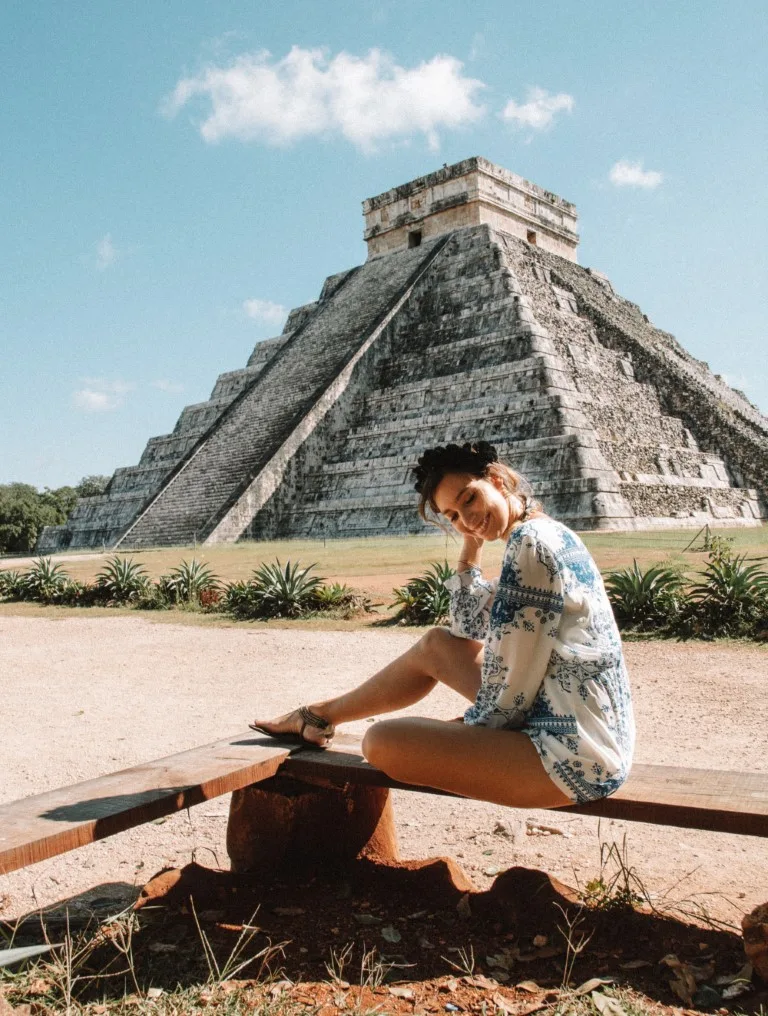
308	719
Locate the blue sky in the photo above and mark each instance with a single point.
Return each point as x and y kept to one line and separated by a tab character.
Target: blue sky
174	175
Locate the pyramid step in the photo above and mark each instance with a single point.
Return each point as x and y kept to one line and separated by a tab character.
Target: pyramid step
502	379
207	495
669	500
526	415
412	449
506	369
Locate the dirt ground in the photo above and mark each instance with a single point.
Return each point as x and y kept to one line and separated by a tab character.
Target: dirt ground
84	696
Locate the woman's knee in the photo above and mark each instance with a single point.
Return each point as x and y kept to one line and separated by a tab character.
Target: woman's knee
380	743
436	642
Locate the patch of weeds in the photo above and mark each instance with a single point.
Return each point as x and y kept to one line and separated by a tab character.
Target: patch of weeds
618	886
576	941
372	974
466	961
102	971
240	955
607	1001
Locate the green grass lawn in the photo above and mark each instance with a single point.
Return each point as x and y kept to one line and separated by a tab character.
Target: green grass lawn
372	560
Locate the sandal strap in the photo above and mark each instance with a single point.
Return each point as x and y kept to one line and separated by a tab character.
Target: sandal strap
311	719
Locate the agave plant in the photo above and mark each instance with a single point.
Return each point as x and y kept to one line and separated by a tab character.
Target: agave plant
122	579
187	582
45	581
645	600
730	598
424	599
11	584
334	594
341	600
279	591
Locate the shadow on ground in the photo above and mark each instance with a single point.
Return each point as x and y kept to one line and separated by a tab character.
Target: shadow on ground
415	924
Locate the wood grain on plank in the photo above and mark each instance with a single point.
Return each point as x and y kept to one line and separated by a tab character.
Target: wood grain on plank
36	828
40	827
716	800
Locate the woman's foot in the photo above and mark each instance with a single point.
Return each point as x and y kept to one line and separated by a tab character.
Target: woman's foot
302	724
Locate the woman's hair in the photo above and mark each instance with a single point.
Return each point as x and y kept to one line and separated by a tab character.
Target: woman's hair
478	458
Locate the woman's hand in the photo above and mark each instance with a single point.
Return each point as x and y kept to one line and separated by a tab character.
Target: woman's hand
471	552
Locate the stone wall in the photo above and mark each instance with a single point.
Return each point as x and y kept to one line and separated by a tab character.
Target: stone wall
729	434
469	193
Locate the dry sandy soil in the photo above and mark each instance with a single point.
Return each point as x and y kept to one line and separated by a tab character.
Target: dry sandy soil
83	696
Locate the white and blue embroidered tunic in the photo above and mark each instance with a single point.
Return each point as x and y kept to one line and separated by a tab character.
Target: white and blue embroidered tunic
553	665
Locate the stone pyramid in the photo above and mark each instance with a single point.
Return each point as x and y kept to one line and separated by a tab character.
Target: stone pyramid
470	318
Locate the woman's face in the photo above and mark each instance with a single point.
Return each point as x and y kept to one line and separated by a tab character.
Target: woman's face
473	506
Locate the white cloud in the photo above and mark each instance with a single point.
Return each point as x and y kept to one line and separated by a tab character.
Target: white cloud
106	252
631	174
100	395
539	110
91	401
366	100
265	311
172	387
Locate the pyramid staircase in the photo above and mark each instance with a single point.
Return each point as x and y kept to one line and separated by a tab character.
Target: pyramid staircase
475	334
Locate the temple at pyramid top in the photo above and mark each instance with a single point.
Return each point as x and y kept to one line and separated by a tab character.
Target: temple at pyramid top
469	193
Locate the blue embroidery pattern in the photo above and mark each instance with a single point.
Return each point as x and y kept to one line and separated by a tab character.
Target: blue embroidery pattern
553	665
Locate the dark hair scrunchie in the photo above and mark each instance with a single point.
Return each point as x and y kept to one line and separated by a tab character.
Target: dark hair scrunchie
471	457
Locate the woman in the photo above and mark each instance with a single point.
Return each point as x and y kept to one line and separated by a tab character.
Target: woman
537	653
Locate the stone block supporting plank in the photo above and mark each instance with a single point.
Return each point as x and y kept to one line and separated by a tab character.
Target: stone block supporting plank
282	823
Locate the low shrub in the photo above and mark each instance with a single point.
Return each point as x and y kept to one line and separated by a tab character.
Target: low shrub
122	580
645	600
729	600
153	597
45	582
275	591
210	599
11	584
235	599
188	582
78	594
424	599
340	600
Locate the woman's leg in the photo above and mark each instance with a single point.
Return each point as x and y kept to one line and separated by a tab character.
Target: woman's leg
437	658
501	766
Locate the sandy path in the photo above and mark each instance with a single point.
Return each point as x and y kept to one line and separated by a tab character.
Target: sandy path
85	696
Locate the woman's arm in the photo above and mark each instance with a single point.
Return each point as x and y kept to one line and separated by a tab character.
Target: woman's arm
471	553
522	633
471	594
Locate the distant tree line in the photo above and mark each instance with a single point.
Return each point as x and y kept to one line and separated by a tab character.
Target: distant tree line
24	510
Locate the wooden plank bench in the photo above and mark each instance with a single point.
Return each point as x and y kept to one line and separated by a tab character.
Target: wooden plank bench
41	827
